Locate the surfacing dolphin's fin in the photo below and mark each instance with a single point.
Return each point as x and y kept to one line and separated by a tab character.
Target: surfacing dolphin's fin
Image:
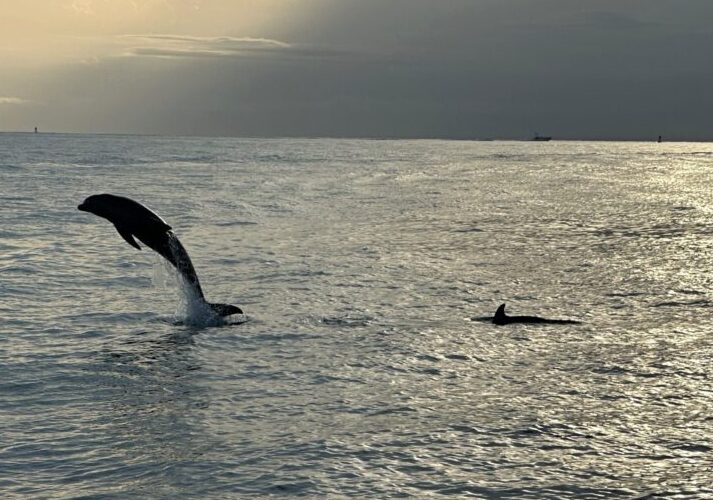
128	237
500	318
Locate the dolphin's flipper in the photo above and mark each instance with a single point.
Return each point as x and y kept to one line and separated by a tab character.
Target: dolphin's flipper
128	237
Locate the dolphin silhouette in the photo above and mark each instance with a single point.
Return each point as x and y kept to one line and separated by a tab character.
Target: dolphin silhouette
132	219
501	318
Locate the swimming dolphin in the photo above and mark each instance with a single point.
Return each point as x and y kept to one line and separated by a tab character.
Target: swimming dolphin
501	318
132	219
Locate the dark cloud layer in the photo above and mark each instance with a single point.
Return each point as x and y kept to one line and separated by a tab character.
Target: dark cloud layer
411	68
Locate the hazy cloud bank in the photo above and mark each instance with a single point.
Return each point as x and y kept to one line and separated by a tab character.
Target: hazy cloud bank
194	46
13	100
369	68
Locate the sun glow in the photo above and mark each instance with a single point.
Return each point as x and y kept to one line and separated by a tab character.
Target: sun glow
74	65
41	32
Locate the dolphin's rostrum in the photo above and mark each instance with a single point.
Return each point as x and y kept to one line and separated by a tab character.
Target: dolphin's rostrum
133	220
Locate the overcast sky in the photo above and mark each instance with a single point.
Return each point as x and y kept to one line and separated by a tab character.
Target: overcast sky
590	69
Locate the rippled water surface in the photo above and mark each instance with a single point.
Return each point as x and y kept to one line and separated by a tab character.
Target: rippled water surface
359	372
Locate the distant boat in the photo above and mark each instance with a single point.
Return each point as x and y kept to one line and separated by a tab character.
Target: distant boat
541	138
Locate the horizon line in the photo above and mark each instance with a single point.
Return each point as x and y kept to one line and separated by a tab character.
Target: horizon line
362	137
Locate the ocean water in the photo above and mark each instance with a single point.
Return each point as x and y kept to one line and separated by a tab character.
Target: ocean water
358	371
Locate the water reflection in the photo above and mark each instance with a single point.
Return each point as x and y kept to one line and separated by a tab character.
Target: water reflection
359	375
149	406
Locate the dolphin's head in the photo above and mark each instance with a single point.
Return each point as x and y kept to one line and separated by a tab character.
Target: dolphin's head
98	204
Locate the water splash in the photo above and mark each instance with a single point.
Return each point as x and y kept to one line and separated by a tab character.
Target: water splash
195	309
191	308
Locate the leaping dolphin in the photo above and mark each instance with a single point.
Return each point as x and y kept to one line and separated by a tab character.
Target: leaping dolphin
132	219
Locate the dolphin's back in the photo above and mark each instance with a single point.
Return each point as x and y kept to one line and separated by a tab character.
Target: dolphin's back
501	318
143	215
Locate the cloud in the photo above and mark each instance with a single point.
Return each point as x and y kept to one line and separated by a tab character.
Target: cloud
491	68
96	7
240	42
167	45
183	46
13	100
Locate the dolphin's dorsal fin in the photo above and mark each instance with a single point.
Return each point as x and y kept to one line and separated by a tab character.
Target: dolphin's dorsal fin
500	314
126	234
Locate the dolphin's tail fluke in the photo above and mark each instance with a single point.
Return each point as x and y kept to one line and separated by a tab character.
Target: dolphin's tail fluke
224	309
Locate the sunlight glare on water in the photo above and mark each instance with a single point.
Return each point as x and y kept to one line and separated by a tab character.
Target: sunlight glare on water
358	372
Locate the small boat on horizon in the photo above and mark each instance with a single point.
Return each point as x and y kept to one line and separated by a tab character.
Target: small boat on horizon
541	138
